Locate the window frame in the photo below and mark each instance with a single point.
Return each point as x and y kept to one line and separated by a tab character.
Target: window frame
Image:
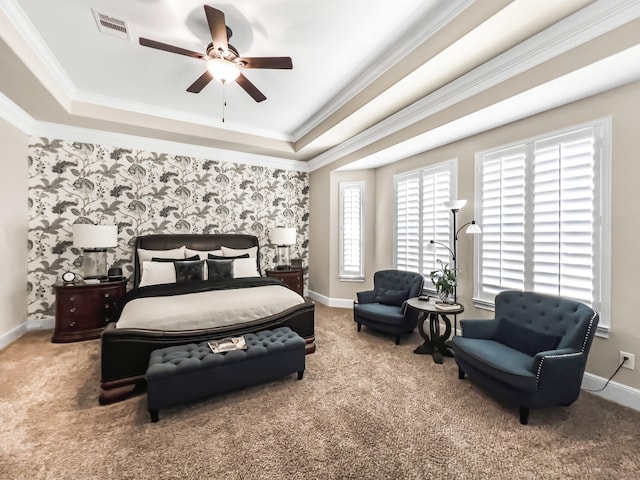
342	275
452	166
601	224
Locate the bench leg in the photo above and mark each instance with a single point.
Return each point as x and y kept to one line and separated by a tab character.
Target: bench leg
154	415
300	375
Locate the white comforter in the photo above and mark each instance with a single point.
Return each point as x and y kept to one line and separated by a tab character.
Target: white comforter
207	309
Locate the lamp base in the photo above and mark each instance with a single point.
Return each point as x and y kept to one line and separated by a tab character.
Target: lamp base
95	263
283	262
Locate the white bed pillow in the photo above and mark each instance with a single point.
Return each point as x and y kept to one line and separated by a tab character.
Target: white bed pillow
155	273
234	252
147	255
203	254
245	267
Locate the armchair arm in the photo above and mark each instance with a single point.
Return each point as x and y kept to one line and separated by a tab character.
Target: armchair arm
367	296
483	329
560	371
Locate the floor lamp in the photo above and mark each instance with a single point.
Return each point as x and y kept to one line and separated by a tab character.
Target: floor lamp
472	228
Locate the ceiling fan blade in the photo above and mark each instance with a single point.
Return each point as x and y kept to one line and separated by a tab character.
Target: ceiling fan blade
218	28
200	83
266	62
250	88
145	42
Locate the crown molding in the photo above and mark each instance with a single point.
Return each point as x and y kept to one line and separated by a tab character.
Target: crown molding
444	13
101	137
25	40
14	115
24	122
171	114
591	22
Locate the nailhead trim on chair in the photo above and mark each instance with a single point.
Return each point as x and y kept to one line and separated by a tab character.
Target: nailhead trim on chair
584	345
552	356
586	337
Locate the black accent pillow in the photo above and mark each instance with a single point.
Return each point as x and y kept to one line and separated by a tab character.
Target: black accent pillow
220	269
211	256
188	259
391	297
189	270
524	339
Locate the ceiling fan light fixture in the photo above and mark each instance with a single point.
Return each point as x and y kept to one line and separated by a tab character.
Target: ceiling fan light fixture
223	70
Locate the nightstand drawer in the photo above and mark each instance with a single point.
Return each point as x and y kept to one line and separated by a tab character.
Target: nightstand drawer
294	279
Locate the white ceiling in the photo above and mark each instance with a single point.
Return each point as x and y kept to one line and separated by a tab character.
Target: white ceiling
358	64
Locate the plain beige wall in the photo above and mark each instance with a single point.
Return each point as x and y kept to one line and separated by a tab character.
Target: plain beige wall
619	104
13	254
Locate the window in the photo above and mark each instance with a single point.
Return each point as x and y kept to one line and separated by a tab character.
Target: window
420	217
351	228
542	205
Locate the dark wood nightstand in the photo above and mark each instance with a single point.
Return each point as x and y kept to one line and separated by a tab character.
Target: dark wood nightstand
294	278
82	310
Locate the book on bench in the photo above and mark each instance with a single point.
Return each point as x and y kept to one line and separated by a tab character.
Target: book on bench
227	344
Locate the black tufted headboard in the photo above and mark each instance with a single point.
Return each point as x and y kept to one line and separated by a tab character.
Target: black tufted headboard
193	241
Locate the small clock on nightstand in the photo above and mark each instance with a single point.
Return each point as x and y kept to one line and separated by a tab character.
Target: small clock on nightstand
69	278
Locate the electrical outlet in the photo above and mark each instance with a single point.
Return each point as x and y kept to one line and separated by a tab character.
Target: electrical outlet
631	360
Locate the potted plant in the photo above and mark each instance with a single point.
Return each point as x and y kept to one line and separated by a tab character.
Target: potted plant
445	280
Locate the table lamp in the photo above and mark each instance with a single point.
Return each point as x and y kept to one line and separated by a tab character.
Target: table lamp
283	238
94	241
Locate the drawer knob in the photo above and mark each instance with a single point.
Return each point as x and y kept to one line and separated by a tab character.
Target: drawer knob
106	305
72	324
72	299
107	295
72	309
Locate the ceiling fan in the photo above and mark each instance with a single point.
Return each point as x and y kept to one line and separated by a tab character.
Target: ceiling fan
224	63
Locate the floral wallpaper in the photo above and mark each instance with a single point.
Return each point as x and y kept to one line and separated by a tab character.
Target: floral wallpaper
148	192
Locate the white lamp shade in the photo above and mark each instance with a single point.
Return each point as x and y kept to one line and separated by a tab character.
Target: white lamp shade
431	247
283	236
454	204
86	235
474	228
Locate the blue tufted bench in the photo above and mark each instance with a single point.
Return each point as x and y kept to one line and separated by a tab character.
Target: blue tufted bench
190	372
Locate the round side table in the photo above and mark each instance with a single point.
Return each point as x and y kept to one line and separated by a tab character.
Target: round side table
434	341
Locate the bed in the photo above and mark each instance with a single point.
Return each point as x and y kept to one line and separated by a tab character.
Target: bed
126	346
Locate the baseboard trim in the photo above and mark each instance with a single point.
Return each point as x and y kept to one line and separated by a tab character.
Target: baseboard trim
12	335
331	302
15	333
46	323
615	392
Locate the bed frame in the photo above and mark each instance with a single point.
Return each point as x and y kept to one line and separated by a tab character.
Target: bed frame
125	351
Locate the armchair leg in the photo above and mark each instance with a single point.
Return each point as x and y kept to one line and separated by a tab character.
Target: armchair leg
359	326
398	340
460	373
524	415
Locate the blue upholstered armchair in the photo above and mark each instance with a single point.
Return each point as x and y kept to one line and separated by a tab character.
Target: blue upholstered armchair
533	353
384	308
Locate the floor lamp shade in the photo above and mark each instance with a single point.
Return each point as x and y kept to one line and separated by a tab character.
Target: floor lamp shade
94	241
282	237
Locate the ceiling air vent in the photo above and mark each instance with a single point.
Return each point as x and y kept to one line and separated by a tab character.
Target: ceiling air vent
110	25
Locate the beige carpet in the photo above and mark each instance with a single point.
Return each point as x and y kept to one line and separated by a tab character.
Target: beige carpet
365	409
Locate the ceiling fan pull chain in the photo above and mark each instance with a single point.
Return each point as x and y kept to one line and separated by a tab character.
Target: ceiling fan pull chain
224	99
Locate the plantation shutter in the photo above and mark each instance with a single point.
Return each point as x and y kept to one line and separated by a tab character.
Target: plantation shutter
502	260
436	220
564	213
351	241
408	222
